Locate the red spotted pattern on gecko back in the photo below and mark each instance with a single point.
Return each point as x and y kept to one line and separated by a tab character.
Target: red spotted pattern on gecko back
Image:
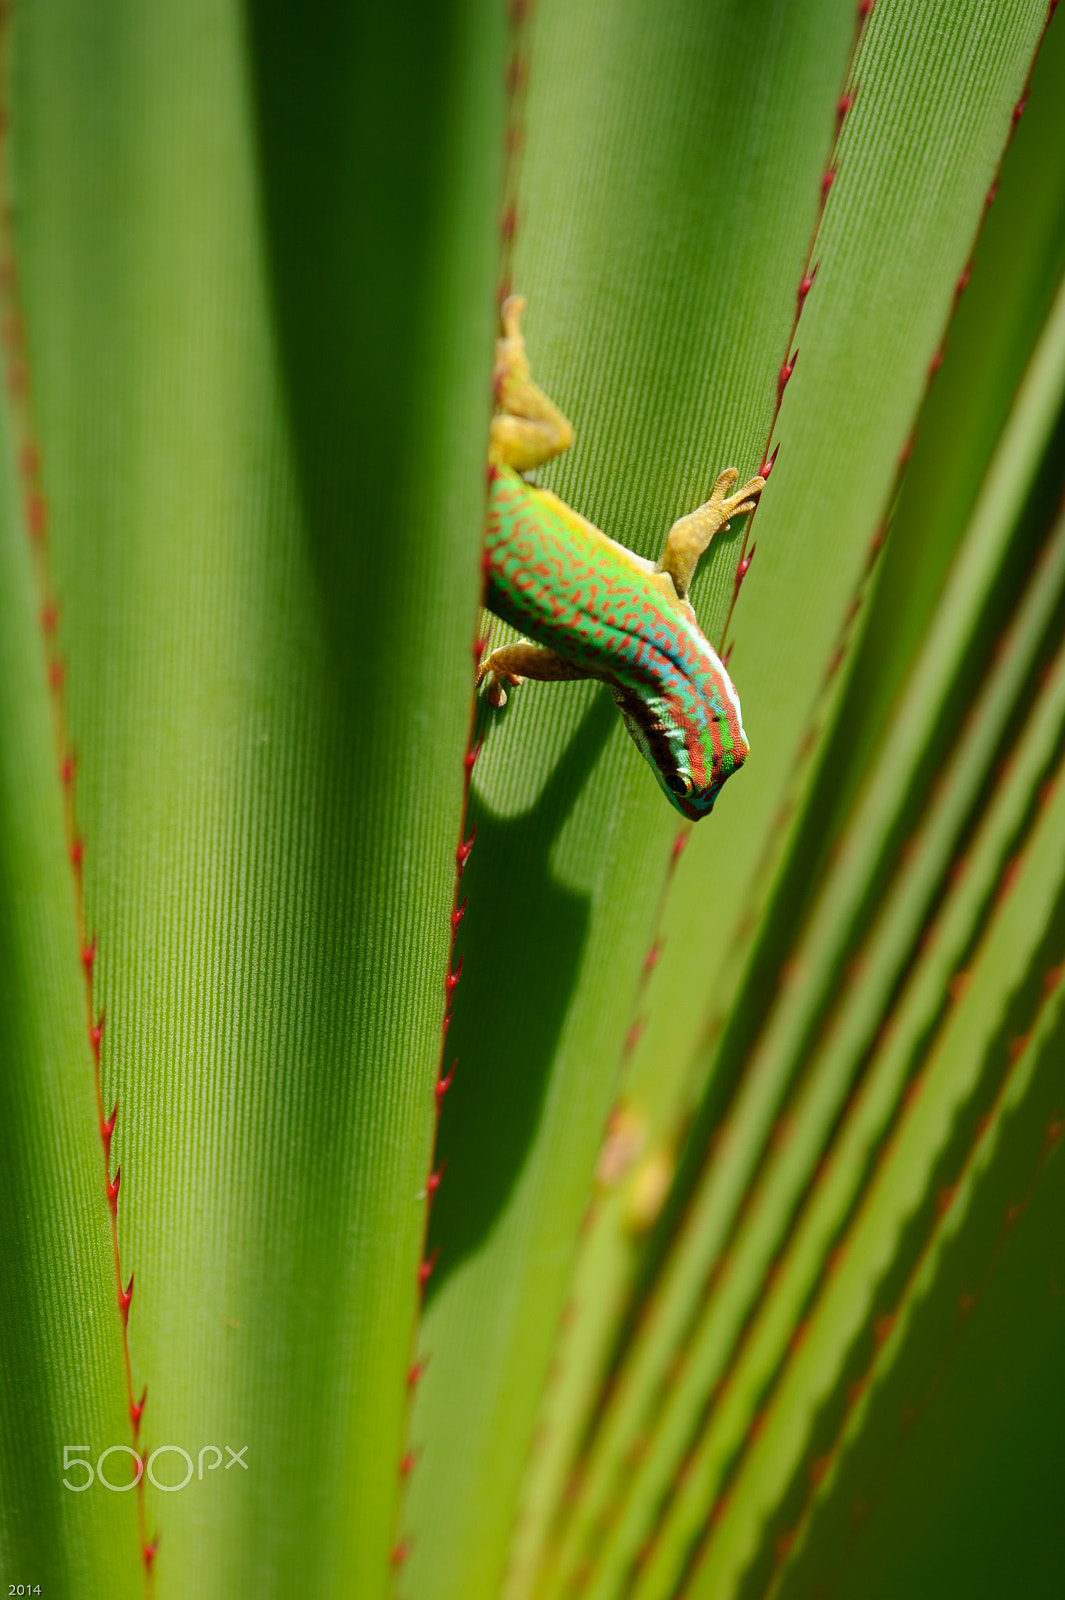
585	601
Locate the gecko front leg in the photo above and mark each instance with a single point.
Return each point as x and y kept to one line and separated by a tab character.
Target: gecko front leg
513	663
690	535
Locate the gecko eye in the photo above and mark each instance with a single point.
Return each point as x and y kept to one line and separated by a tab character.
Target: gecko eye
677	785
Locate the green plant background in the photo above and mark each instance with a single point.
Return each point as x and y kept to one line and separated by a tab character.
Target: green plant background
255	255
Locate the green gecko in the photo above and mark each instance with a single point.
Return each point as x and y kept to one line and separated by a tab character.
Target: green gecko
593	609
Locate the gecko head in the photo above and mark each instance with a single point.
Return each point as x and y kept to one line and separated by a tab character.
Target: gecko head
693	743
694	793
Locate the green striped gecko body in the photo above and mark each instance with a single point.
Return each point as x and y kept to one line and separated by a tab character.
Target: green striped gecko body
593	609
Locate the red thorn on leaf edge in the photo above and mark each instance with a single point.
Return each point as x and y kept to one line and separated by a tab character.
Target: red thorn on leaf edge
401	1553
96	1033
843	105
856	1391
634	1035
452	979
36	514
12	333
458	914
480	645
742	570
827	181
124	1297
1008	877
469	760
88	955
679	846
806	283
719	1508
55	675
432	1183
417	1373
785	375
757	1426
462	854
799	1337
444	1084
107	1127
50	618
136	1410
149	1551
784	1544
425	1271
408	1464
767	466
77	852
113	1185
915	1088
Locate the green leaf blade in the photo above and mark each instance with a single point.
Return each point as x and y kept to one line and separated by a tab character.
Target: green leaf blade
959	1440
899	224
574	839
662	1077
951	1073
62	1378
265	548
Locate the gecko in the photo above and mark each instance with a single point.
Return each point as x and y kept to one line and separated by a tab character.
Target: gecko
591	608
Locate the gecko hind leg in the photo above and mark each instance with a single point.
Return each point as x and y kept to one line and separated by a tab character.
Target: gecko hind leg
513	663
528	428
690	535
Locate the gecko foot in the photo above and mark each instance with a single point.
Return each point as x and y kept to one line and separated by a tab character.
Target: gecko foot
495	673
691	535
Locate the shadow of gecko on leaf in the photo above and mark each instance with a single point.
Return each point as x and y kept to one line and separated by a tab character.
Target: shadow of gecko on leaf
521	940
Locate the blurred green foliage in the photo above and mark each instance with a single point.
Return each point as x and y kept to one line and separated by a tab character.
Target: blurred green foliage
745	1256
